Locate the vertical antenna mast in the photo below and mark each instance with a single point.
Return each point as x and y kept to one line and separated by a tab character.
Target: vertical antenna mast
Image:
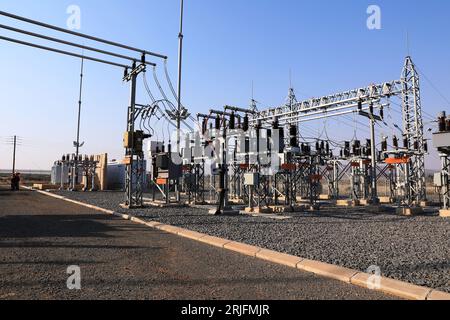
180	59
77	144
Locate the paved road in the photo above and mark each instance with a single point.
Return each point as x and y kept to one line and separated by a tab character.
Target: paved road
41	236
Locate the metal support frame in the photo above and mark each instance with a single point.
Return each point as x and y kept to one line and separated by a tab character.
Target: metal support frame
445	178
413	131
134	168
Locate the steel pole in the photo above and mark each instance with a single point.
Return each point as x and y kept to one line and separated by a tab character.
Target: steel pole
14	155
77	152
373	152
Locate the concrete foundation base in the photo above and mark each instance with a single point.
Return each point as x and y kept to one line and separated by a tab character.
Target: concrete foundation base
444	213
39	186
258	210
425	204
385	200
347	203
409	211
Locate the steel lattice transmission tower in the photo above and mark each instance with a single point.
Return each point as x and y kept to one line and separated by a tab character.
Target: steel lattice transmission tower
413	131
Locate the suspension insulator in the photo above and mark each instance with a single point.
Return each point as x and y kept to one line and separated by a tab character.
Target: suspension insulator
381	113
317	146
416	145
405	142
245	125
327	147
425	146
371	108
322	145
359	105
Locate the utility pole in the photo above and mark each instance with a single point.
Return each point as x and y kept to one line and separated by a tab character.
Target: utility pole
180	59
14	156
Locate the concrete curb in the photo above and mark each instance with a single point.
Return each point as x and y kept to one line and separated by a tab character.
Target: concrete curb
390	286
327	270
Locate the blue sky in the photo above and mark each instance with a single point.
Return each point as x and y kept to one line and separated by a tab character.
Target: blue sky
228	44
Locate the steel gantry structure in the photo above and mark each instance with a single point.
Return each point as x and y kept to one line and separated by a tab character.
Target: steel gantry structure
363	101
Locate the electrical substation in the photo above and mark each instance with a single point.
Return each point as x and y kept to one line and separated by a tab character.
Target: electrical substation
256	159
343	179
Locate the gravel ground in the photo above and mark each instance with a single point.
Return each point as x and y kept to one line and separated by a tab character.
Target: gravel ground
118	259
412	249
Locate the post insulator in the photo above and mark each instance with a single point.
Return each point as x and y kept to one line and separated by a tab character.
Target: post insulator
405	142
293	136
232	121
395	142
204	126
245	125
217	122
442	121
384	145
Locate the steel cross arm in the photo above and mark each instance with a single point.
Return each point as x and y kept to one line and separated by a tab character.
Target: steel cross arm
328	113
365	95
